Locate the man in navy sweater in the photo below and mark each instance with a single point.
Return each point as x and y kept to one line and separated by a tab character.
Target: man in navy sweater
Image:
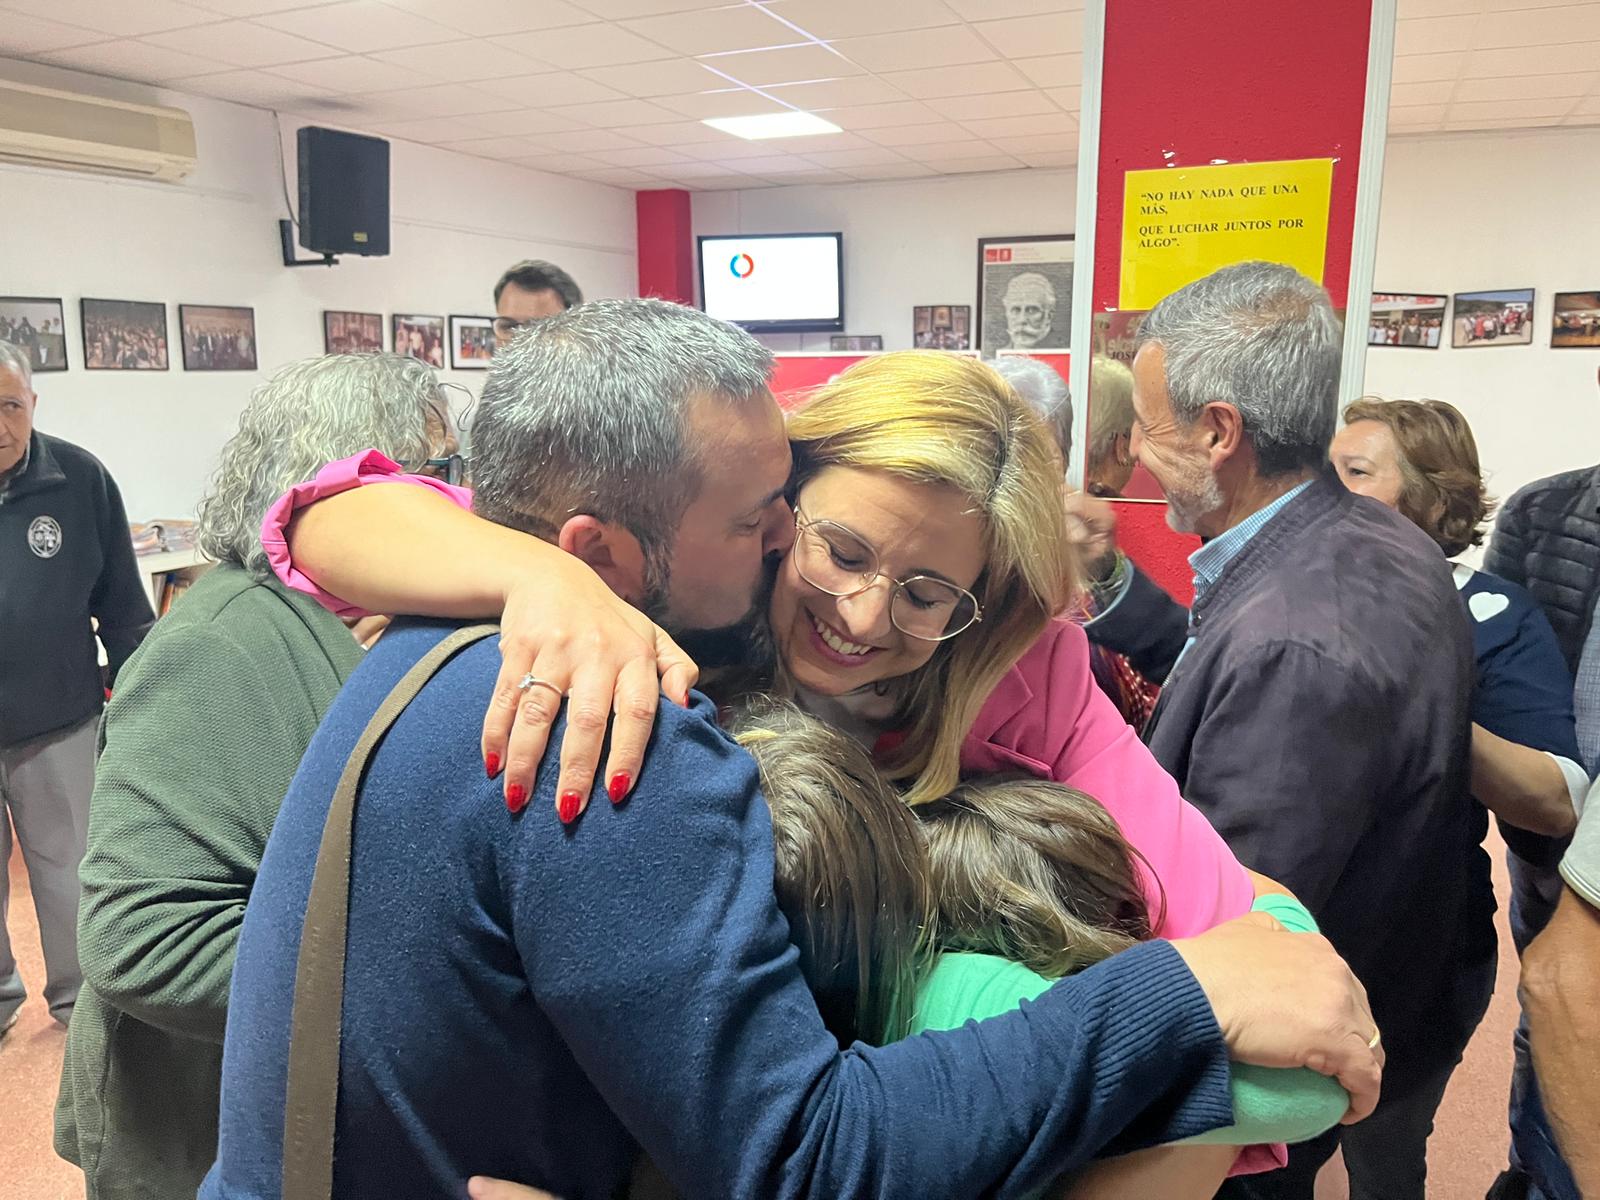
539	1001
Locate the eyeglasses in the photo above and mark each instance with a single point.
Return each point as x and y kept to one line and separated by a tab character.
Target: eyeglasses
834	560
452	468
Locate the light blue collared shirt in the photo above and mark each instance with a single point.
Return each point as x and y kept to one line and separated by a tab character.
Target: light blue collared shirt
1213	558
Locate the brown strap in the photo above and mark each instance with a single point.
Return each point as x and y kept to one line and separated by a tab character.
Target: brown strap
312	1094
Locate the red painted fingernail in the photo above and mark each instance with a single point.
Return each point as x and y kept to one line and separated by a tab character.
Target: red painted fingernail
567	810
618	787
516	797
491	765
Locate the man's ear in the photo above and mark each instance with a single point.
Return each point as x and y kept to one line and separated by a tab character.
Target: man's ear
610	550
1222	431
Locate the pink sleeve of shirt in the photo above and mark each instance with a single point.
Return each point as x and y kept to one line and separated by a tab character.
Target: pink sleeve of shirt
1056	717
358	470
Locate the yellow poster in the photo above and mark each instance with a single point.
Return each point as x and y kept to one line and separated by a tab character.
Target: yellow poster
1181	223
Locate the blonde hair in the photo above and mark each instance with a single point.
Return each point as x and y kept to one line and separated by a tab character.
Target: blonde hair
850	871
946	419
1034	872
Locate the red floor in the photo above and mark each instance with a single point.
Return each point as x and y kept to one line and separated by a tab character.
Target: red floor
1467	1151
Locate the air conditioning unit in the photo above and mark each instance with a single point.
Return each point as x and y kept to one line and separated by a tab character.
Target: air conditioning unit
42	127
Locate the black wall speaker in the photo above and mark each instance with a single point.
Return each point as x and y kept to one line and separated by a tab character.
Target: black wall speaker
344	192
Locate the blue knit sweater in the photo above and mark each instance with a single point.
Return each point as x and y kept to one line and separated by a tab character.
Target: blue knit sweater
536	1003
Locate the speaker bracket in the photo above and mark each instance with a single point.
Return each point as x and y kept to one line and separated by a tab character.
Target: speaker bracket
286	236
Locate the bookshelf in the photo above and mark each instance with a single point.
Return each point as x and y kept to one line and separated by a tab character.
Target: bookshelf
179	567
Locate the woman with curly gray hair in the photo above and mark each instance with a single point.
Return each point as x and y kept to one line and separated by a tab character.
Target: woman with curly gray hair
199	744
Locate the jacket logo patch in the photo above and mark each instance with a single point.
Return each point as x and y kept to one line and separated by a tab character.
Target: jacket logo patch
1487	604
44	536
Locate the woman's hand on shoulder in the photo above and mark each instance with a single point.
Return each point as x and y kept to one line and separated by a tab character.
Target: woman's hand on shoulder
481	1187
565	634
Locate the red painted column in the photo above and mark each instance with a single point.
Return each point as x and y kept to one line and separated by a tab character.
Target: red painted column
1189	83
666	245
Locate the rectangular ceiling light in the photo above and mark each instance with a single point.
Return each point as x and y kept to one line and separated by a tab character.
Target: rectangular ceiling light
773	125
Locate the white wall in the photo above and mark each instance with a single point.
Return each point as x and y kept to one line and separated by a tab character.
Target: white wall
1474	212
905	243
457	222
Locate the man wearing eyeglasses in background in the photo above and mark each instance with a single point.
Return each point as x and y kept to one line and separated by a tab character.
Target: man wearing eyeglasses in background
530	291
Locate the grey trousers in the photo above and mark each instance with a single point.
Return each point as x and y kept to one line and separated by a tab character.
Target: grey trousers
45	785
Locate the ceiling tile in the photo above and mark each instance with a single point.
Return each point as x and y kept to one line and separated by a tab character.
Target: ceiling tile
497	147
560	163
996	104
617	114
1035	143
830	19
1437	92
466	61
1513	87
780	164
723	183
550	88
134	60
946	46
735	102
1022	37
879	116
617	10
1068	99
1540	26
716	31
812	143
871	156
1509	123
1423	68
595	45
950	151
432	130
902	170
482	18
438	100
1472	110
581	140
533	121
973	166
1589	106
116	20
789	64
1417	114
642	156
1053	70
678	133
979	10
835	93
1051	159
668	77
918	135
619	177
352	73
21	34
695	170
254	8
241	44
816	175
360	26
1437	8
1057	123
733	150
969	80
252	87
1534	60
1430	35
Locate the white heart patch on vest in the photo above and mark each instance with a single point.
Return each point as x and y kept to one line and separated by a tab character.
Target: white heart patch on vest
1484	605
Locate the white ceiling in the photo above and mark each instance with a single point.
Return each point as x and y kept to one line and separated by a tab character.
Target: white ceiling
615	90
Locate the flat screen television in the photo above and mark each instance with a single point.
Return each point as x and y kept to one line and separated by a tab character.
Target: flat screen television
774	282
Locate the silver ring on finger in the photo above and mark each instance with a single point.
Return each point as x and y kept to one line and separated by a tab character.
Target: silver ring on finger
530	681
1376	1038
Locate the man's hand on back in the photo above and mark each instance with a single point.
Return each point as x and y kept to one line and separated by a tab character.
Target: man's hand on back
1288	1000
1092	531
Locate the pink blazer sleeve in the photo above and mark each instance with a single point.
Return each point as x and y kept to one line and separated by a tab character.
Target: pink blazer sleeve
1049	718
356	471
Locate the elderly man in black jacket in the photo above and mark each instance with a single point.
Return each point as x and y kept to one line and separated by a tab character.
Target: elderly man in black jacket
65	557
1316	697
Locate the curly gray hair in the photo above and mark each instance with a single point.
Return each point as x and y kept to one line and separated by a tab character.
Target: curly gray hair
308	414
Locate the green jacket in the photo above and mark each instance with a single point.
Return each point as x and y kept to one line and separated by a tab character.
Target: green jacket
202	737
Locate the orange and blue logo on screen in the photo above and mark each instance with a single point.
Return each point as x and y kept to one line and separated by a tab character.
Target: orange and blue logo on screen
742	266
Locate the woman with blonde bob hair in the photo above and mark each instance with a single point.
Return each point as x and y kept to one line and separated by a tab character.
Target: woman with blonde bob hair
914	609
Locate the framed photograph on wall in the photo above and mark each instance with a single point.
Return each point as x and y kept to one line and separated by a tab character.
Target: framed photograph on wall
1576	321
942	327
1407	320
1024	292
352	332
471	343
1503	318
217	338
420	337
38	325
856	341
124	335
